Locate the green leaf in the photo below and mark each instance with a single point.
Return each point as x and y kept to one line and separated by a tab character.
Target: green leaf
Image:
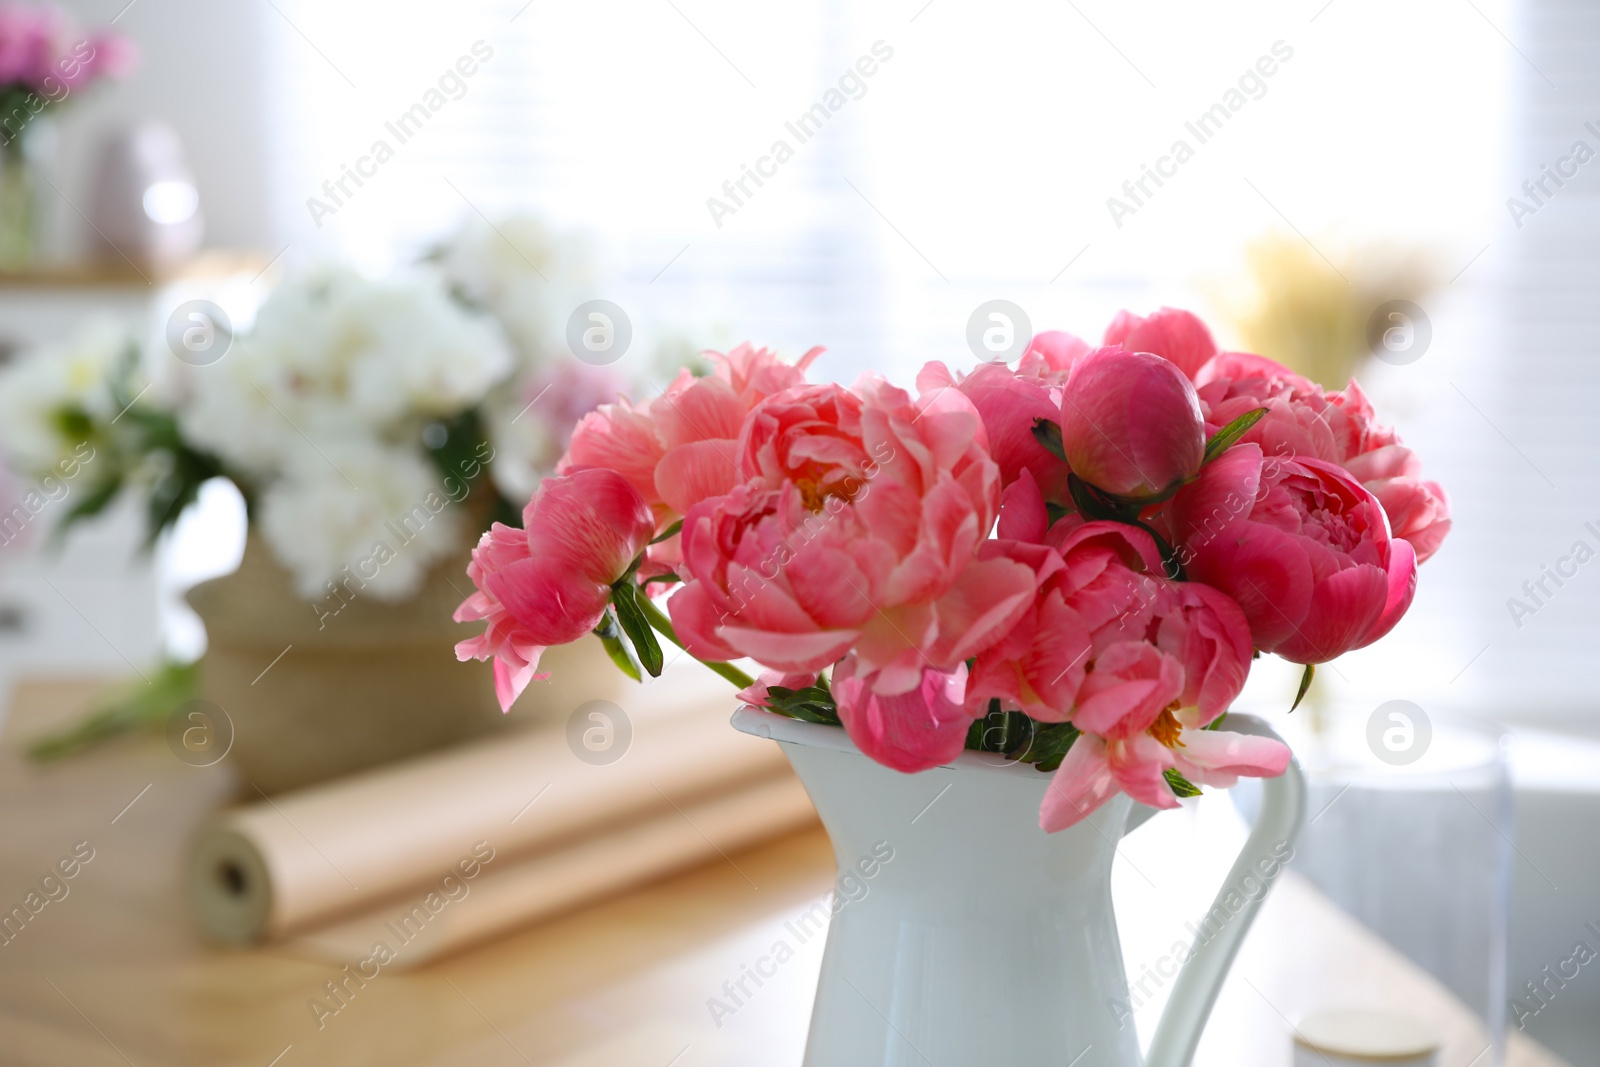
816	713
91	502
456	455
459	459
817	694
1057	512
668	532
505	512
611	637
125	708
1305	683
1089	505
636	626
1169	555
1048	434
1049	745
1224	438
1181	786
73	423
668	577
983	727
1094	504
179	487
1009	732
814	703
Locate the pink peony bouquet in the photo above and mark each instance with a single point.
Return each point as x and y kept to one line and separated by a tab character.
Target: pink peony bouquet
1071	563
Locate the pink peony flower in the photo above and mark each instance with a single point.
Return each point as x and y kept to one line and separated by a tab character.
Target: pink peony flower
854	530
514	648
1418	511
1341	428
1109	643
1204	629
794	569
1050	356
1132	684
1302	419
620	437
1097	768
756	693
809	436
1131	423
697	421
548	583
1009	404
678	449
923	727
756	373
1176	336
1297	421
1302	547
1023	514
1039	664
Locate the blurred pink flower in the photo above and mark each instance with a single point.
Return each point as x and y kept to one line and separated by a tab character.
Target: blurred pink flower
566	393
548	583
42	51
115	56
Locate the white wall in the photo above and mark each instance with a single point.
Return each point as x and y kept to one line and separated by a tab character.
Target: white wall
204	71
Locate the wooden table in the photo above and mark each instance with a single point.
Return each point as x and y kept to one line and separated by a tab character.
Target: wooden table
115	974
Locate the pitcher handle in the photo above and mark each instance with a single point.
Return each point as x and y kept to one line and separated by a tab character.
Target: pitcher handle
1283	801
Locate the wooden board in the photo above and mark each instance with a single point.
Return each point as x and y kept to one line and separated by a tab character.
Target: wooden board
114	973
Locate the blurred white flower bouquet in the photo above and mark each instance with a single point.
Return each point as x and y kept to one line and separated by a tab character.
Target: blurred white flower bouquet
373	427
349	417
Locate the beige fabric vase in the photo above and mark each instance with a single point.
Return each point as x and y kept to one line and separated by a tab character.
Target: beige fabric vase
376	682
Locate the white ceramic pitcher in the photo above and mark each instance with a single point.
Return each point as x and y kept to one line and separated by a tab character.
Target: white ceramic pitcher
986	941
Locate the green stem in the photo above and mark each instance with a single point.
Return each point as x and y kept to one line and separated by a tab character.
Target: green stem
659	620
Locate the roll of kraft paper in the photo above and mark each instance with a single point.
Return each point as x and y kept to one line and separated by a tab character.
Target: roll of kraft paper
289	863
456	911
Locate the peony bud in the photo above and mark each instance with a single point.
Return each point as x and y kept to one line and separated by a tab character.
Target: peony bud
1131	423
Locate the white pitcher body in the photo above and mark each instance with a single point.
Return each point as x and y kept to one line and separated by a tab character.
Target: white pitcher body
963	934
